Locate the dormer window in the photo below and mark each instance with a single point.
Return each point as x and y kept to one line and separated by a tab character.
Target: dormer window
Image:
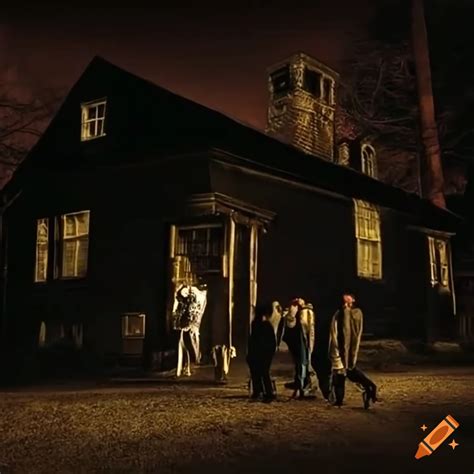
93	119
368	163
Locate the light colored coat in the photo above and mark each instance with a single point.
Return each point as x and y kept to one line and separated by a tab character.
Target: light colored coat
344	358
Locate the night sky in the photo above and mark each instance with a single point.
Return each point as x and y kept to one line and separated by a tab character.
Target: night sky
216	56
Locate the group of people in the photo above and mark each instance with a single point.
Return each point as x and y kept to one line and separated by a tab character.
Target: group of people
297	327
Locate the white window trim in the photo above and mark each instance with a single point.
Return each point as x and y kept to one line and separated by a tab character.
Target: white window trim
85	106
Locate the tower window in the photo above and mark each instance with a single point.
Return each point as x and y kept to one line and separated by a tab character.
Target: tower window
281	80
327	91
312	82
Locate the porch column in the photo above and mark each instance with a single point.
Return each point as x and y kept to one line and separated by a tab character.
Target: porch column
230	261
253	268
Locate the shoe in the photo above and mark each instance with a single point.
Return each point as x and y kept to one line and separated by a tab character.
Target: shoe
290	385
269	399
366	398
373	395
337	404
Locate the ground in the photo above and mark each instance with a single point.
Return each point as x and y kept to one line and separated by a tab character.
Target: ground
189	427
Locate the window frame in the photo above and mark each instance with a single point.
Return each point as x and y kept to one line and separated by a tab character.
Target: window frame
46	256
367	219
309	74
285	73
368	158
208	227
439	254
125	326
60	238
85	121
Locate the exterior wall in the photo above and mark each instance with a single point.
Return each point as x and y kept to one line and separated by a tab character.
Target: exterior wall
310	251
131	210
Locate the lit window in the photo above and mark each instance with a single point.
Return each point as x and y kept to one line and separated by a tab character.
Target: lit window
41	267
133	326
93	120
202	245
368	161
369	240
439	261
72	244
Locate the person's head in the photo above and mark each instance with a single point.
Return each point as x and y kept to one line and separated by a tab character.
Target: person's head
262	312
348	299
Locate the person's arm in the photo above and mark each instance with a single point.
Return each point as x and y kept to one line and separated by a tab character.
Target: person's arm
334	355
270	336
280	334
358	328
312	330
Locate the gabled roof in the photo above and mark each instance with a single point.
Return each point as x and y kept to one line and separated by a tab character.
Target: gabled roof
254	148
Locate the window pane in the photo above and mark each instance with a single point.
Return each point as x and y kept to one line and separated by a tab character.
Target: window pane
281	80
133	325
75	244
100	127
69	258
82	222
82	255
91	129
42	237
202	246
91	113
93	117
312	82
327	90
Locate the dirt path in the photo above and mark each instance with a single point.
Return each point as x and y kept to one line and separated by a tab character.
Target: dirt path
178	429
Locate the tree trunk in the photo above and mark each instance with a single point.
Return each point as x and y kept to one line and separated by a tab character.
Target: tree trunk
432	170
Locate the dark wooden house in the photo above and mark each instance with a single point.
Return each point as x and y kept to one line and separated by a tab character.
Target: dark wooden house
133	189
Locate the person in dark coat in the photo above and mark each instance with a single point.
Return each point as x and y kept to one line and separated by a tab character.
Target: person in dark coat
261	349
344	343
299	335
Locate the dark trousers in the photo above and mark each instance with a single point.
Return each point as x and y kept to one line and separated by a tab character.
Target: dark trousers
354	375
323	372
261	381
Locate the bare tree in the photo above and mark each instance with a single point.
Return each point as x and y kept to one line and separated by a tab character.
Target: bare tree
22	120
378	95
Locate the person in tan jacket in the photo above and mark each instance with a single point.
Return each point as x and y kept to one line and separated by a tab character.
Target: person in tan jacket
344	342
